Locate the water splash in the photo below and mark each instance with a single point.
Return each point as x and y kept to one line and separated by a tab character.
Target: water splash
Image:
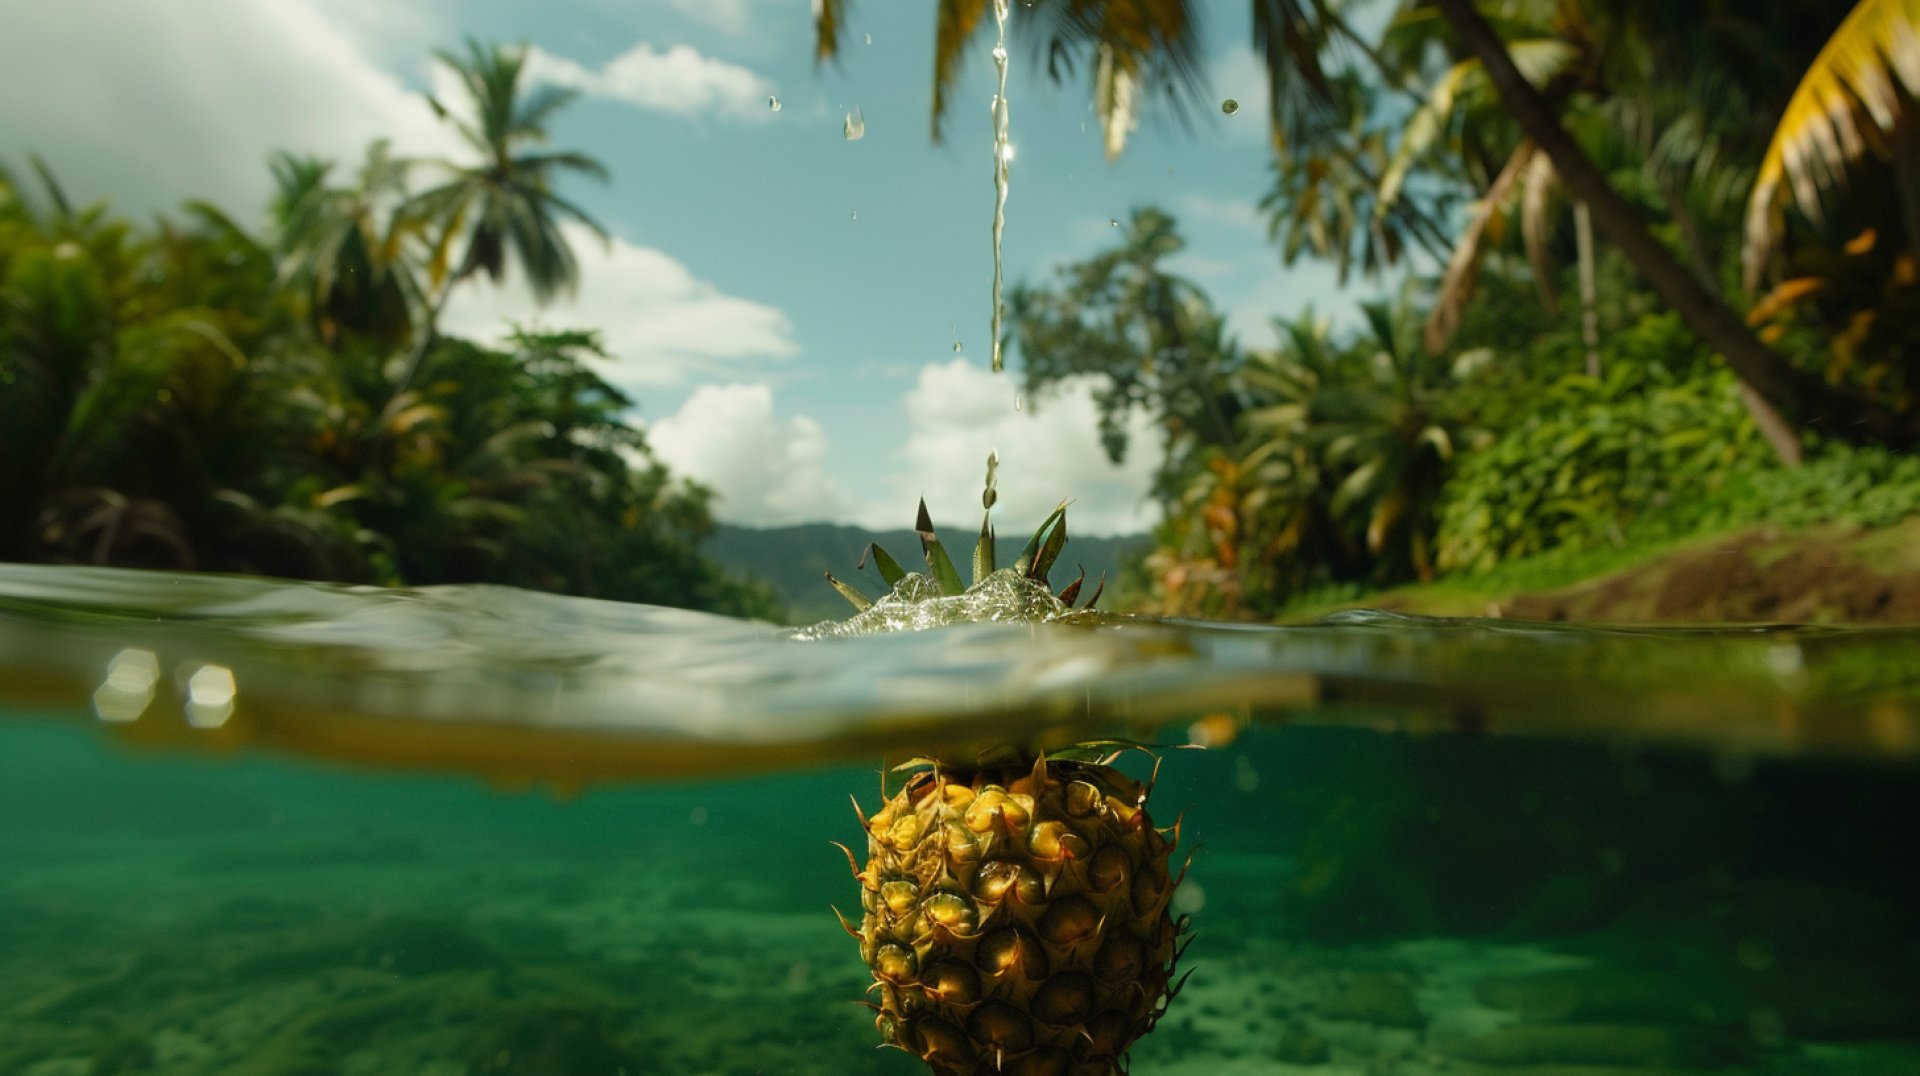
1002	156
916	604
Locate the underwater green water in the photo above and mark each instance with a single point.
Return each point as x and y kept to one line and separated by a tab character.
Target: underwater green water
480	831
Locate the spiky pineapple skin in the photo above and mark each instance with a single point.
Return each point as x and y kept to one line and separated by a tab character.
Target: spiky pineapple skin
1016	920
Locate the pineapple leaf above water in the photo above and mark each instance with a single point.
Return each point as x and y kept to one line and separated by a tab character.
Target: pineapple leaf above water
938	562
889	569
1036	560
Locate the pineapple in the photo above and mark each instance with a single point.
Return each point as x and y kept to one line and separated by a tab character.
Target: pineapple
1015	908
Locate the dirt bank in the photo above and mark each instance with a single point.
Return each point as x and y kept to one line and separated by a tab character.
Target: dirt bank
1836	574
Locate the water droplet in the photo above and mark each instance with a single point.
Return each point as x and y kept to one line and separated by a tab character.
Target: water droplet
1113	222
855	215
1019	401
1229	106
869	38
956	339
773	103
856	126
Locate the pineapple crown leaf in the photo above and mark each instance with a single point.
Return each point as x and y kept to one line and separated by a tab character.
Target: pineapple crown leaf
938	562
1045	545
890	571
983	551
859	600
1035	562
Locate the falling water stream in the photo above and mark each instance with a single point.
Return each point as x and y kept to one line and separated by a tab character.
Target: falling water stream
1002	157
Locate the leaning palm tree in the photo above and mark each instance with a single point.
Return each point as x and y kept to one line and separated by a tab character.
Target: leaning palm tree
1858	94
502	205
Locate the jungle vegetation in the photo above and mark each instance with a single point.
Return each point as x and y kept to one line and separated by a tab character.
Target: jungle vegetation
202	393
1659	268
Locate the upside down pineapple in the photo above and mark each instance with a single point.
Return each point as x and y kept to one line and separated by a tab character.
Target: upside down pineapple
1015	908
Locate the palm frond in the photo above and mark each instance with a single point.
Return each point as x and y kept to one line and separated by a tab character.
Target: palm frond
1457	282
539	163
1290	36
531	116
829	18
1537	185
954	24
49	182
1853	95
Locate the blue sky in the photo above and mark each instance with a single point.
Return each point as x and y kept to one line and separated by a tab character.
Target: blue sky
783	302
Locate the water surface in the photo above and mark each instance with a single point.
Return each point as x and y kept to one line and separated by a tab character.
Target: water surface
278	828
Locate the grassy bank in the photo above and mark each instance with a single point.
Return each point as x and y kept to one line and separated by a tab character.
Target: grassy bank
1829	572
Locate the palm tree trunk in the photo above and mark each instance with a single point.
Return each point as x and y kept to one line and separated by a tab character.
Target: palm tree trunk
429	332
1805	397
1589	298
1904	145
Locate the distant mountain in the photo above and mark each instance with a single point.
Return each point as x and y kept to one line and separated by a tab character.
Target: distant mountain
794	560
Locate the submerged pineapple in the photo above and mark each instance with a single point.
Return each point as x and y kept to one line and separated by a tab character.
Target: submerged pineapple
1016	909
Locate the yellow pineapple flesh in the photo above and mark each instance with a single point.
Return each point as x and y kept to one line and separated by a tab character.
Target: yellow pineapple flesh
1016	919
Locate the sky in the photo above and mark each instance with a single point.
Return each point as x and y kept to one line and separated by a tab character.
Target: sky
802	318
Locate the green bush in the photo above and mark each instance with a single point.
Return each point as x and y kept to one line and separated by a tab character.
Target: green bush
1594	457
1869	487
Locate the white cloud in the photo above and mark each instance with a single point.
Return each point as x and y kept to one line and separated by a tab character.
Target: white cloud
1237	213
679	80
770	471
149	104
729	16
767	472
1049	451
661	322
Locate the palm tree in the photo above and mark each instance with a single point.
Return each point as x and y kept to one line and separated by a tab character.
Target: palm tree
1150	337
1859	91
1618	111
345	247
502	205
1794	391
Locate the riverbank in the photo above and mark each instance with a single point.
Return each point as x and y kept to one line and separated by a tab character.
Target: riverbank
1835	573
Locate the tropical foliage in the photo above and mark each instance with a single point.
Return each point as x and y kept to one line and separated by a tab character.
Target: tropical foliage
1497	158
202	394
